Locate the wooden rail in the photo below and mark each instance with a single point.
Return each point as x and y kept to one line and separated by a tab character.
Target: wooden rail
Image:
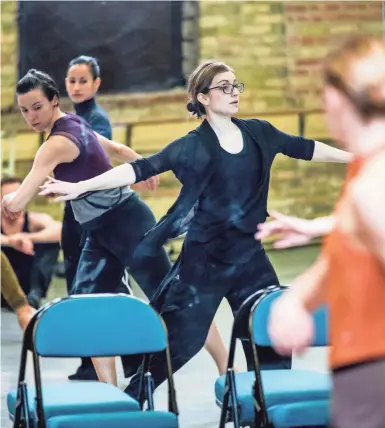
130	125
301	117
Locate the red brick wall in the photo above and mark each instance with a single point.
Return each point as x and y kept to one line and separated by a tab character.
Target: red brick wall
312	28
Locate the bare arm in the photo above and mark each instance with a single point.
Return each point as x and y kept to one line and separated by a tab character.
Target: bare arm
298	147
122	175
4	240
291	231
291	326
117	151
142	169
325	153
310	287
44	228
54	151
322	226
18	242
121	153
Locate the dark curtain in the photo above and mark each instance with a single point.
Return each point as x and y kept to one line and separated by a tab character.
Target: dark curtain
137	43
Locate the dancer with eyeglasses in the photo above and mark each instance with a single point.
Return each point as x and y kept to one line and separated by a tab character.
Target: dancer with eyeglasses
224	167
82	83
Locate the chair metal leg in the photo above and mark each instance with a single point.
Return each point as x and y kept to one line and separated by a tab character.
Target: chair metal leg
234	399
41	423
225	404
149	391
22	416
21	407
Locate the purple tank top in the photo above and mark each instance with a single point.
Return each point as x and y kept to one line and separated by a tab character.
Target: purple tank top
92	159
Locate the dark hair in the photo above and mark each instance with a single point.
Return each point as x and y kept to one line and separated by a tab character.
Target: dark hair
357	69
88	60
200	81
36	79
10	180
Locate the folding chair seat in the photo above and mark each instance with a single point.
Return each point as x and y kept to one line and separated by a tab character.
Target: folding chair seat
100	325
278	398
148	419
76	397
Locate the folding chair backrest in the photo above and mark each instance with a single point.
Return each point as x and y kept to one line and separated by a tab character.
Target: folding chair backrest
241	321
98	325
260	318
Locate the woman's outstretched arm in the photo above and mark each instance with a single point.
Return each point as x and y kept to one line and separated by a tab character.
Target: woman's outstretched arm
122	175
54	151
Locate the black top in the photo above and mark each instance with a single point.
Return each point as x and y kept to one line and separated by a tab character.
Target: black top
95	116
194	159
227	204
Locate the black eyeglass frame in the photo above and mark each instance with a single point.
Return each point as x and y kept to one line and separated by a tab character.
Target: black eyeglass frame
239	86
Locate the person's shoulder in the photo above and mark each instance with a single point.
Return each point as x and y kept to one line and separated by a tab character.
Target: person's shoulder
371	180
252	121
100	109
68	121
99	120
254	124
374	168
190	139
100	112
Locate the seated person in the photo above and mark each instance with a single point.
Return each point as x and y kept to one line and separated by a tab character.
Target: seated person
14	295
31	244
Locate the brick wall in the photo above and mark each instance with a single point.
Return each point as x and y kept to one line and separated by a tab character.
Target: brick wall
276	48
9	52
311	29
249	36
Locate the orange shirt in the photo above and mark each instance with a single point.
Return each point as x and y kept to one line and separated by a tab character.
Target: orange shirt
355	293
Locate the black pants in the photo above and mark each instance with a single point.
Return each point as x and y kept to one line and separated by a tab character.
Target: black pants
73	239
109	249
189	303
44	264
72	244
36	275
72	236
84	252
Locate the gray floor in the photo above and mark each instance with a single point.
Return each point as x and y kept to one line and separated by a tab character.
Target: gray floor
194	383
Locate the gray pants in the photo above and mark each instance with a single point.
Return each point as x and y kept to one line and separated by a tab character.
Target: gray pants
359	396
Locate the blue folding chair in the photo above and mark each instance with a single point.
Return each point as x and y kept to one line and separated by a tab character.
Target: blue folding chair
92	326
278	398
269	360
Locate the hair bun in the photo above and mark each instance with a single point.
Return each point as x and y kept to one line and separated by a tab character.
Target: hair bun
191	108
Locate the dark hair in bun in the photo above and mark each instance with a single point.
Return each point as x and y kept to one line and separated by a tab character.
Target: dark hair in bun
36	79
196	108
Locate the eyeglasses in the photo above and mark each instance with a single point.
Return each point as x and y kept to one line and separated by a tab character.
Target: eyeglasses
228	88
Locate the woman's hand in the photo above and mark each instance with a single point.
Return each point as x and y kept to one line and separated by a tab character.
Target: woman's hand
7	207
291	326
151	184
292	231
68	190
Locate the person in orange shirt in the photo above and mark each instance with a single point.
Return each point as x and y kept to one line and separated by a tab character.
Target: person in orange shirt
349	275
